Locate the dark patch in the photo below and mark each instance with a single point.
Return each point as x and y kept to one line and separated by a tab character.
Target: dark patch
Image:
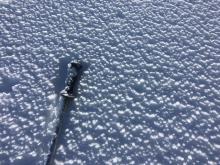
64	116
26	161
89	109
78	78
139	88
7	84
59	81
4	159
120	14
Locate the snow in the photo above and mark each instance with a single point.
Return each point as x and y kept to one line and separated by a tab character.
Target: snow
150	93
5	1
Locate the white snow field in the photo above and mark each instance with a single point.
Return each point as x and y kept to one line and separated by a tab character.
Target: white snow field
150	94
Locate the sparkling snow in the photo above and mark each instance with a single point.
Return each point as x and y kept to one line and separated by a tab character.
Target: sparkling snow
150	94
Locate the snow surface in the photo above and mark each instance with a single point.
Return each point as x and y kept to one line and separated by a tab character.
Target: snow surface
151	93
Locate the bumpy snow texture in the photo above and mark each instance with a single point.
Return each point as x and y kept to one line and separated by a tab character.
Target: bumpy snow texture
151	93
